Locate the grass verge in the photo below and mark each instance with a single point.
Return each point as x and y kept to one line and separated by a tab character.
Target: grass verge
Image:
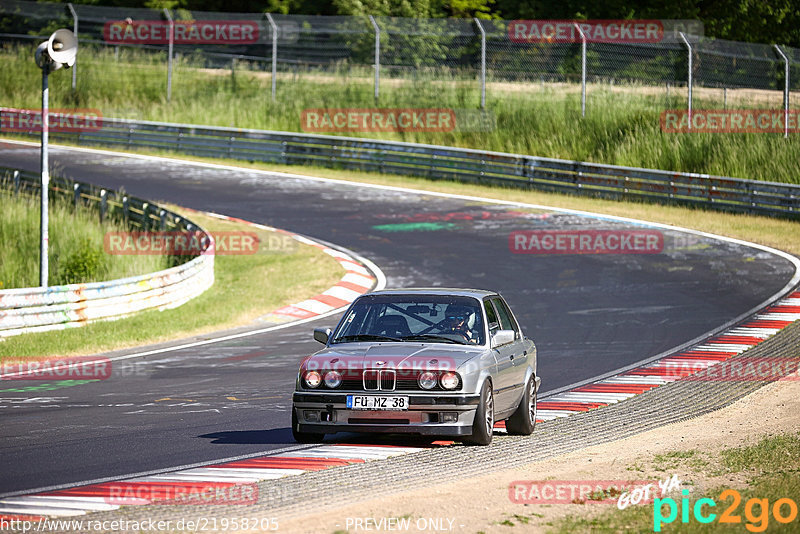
621	126
246	287
761	475
76	245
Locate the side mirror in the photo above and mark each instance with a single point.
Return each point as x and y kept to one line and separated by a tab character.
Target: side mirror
502	337
322	335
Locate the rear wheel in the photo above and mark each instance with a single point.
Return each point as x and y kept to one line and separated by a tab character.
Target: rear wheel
304	437
523	420
483	425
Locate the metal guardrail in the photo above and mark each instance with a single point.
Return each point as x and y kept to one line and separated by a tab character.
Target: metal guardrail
440	162
40	309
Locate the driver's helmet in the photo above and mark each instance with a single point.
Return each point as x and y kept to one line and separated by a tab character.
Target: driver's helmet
457	317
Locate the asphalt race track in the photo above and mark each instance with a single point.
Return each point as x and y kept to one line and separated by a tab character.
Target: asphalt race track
589	314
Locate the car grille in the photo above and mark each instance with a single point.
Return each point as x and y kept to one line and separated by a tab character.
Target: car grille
388	379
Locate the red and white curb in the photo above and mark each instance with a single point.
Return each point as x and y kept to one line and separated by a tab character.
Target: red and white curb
356	281
192	486
718	348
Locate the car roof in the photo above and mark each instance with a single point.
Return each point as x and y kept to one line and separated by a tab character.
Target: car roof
442	291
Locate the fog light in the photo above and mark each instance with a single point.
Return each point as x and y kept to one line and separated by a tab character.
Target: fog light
448	417
311	415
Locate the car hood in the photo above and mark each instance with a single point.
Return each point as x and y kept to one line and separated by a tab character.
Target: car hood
428	356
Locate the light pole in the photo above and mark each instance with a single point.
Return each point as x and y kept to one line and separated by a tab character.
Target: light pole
59	50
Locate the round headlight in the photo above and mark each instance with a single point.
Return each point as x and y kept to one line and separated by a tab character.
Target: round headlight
333	379
449	380
427	380
312	379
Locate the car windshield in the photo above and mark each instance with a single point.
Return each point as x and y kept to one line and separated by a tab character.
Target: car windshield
408	318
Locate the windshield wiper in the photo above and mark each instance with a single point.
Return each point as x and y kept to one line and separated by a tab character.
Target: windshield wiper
366	337
417	337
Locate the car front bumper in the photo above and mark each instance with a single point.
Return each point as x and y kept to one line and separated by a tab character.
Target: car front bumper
432	415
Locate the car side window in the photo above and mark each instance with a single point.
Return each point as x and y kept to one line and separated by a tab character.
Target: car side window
506	320
491	317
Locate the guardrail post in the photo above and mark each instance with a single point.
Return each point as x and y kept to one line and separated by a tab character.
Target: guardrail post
483	62
162	216
169	57
145	218
785	92
126	209
103	204
689	77
16	183
76	195
75	31
583	69
377	55
274	31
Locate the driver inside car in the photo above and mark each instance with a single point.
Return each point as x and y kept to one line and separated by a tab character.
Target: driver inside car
456	321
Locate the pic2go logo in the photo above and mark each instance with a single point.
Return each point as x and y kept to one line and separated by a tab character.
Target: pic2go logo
756	511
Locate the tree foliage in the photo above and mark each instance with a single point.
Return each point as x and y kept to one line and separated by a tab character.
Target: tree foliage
761	21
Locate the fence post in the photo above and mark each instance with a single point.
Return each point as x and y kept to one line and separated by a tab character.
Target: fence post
689	77
377	55
103	204
785	92
145	217
583	69
75	31
483	62
169	57
274	30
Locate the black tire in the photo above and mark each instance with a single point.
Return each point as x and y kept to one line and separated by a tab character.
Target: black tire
523	420
483	426
304	437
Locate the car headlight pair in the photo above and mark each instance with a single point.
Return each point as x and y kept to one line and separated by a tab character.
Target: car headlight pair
313	379
428	380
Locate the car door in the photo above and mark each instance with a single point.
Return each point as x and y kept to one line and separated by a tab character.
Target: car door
504	379
515	352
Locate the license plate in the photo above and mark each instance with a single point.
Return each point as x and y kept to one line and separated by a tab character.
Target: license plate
376	402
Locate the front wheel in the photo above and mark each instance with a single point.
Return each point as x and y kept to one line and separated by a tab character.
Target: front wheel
304	437
523	420
483	425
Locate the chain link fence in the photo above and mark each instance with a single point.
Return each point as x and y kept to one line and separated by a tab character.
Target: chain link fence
485	55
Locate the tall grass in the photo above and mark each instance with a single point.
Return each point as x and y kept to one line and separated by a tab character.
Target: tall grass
621	126
76	252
